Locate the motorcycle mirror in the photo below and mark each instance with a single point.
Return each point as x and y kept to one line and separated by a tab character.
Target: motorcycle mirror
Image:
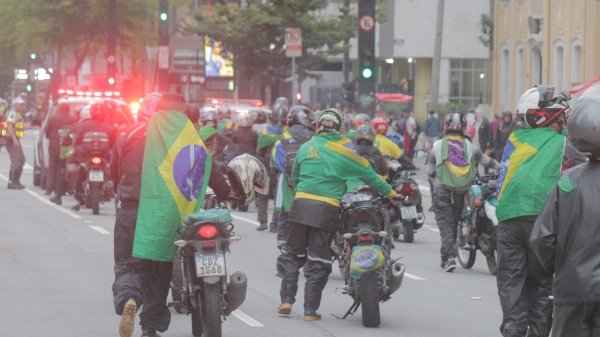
72	135
231	148
394	165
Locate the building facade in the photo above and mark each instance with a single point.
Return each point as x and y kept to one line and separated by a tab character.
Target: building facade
543	41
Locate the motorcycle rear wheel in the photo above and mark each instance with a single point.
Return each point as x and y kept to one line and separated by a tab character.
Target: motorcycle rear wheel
177	281
211	309
95	200
409	231
243	208
369	299
466	256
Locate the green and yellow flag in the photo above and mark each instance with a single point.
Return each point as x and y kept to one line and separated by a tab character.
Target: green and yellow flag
175	174
269	135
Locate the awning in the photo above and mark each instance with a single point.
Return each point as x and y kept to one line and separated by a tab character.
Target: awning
582	87
402	98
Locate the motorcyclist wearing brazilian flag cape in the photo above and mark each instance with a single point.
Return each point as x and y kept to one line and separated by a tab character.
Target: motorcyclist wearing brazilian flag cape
532	162
162	169
320	171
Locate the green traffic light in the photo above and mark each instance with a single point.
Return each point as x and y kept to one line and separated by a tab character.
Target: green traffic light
28	87
32	56
367	73
163	16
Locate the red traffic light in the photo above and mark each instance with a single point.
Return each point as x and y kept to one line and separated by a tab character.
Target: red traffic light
299	96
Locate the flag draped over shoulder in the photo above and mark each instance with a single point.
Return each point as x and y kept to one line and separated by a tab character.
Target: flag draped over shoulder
269	136
338	160
175	174
531	164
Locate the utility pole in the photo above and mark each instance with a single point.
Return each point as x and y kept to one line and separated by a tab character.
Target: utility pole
366	53
346	64
163	46
111	57
437	58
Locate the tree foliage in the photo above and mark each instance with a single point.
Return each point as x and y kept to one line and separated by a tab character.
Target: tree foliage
74	27
487	29
255	35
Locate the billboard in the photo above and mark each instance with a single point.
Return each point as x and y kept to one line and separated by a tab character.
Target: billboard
218	61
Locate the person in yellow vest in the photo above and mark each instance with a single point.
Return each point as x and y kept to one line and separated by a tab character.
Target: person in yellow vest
13	131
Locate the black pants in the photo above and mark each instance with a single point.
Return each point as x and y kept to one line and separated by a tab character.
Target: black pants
448	209
60	186
53	169
576	320
305	244
144	280
523	284
17	159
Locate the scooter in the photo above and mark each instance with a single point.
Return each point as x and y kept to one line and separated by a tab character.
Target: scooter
406	216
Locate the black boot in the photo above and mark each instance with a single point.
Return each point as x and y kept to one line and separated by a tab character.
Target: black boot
12	182
17	177
146	332
57	200
262	227
273	227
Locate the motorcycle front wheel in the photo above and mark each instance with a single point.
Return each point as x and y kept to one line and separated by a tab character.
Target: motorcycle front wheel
466	254
369	299
211	309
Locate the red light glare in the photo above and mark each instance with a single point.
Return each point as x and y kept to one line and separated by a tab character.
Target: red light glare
207	231
96	160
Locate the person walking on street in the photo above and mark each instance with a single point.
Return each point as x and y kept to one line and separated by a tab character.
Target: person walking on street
495	124
61	119
147	216
531	164
301	122
452	164
320	171
13	130
433	130
410	133
566	242
504	131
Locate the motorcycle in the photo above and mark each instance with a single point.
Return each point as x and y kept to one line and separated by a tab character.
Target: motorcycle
97	186
406	216
477	229
200	286
370	274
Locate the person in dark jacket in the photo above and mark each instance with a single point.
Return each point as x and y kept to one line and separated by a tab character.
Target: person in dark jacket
433	129
214	141
533	160
566	241
244	136
61	119
365	137
140	281
504	131
484	134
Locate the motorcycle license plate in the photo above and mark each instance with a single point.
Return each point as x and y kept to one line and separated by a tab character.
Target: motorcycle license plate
96	176
409	212
210	265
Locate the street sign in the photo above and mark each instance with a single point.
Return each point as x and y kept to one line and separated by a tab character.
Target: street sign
293	42
187	55
366	22
163	57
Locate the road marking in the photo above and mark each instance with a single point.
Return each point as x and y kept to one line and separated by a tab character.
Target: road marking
46	201
414	277
245	318
27	146
100	229
27	167
433	229
255	223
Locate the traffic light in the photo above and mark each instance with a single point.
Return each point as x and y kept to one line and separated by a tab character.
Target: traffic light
111	80
366	47
348	94
28	87
299	97
163	22
32	56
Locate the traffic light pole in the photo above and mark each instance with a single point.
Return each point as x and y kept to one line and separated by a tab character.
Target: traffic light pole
366	54
162	67
111	59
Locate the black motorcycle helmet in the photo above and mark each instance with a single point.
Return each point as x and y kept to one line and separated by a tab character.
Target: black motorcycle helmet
331	120
301	115
584	123
455	123
365	134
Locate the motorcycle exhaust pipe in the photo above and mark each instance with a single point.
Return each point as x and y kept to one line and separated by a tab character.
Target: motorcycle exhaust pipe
420	218
236	292
485	243
396	276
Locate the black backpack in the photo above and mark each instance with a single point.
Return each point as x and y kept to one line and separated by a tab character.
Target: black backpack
291	146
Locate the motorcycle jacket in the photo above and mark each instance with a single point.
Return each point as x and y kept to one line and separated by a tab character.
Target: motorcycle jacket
126	166
374	156
94	126
246	139
566	235
58	121
387	147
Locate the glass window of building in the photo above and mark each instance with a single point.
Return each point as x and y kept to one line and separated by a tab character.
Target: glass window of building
576	63
468	82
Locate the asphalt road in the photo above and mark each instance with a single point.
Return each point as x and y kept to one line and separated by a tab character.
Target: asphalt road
56	276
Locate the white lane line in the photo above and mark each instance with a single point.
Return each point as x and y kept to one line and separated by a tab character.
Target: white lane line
255	223
414	277
46	201
27	167
245	318
100	229
431	228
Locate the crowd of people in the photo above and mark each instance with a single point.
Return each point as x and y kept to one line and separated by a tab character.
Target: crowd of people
545	158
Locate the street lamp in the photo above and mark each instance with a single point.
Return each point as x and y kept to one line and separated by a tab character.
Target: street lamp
481	100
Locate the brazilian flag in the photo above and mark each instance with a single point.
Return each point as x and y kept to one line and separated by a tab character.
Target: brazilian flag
269	136
175	174
531	165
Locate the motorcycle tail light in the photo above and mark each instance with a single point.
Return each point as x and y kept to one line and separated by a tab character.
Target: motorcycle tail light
414	186
363	216
207	231
366	238
96	160
208	244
